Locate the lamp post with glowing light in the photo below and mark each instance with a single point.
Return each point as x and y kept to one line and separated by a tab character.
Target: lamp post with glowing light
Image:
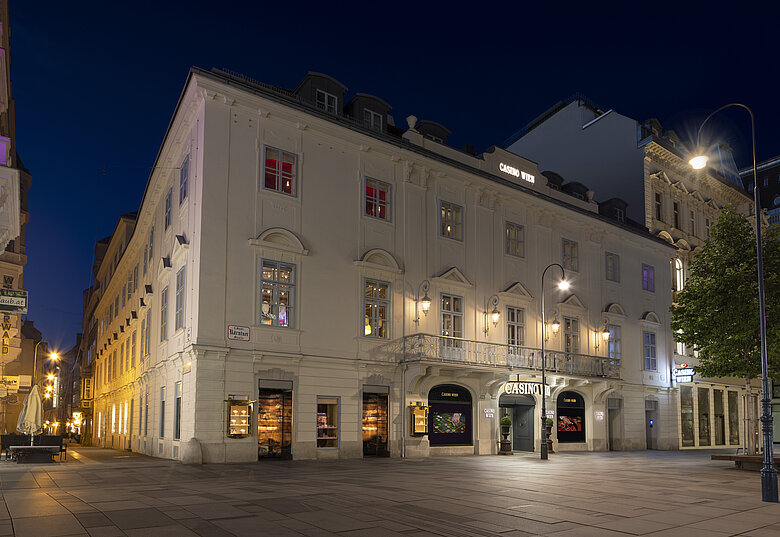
768	471
52	356
562	285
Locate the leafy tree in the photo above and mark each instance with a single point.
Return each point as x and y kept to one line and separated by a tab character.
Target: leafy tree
717	311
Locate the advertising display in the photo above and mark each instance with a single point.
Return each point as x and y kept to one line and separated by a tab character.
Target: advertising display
449	418
571	418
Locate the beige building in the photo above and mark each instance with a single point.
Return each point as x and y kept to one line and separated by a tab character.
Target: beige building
305	279
648	168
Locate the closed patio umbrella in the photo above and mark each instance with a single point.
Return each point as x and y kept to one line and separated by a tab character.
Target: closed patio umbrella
31	417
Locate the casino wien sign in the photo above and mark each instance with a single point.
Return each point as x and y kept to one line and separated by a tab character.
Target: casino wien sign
526	388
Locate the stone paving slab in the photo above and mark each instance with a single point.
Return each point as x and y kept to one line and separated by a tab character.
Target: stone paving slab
105	493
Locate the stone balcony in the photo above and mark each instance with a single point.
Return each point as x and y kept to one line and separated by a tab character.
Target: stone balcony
426	348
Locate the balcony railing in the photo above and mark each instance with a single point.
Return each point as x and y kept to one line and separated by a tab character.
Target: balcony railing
441	349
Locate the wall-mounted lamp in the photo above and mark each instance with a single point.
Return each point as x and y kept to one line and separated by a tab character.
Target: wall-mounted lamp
602	335
555	325
495	315
423	303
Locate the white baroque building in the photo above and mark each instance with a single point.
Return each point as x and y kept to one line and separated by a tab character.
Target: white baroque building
304	279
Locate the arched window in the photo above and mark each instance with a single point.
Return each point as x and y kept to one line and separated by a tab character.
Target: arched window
679	282
450	415
571	418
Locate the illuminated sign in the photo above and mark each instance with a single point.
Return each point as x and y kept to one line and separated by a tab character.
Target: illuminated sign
489	412
525	388
683	374
511	170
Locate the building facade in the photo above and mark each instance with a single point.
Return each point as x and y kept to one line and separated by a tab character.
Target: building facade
305	279
768	187
647	168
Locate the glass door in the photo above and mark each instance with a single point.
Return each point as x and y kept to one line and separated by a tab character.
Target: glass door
274	424
375	425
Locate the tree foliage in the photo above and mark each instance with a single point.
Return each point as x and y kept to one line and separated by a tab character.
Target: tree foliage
717	311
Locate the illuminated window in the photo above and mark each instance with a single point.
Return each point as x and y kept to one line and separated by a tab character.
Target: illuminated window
376	307
167	216
164	314
571	260
327	422
177	412
278	294
451	220
648	278
377	199
613	343
514	243
127	413
181	278
279	170
679	347
113	419
184	179
651	363
326	101
612	266
679	281
515	326
99	424
452	318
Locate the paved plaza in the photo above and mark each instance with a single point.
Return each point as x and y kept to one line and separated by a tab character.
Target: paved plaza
105	493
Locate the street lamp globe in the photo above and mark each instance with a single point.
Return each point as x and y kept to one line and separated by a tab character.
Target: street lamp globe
563	285
698	162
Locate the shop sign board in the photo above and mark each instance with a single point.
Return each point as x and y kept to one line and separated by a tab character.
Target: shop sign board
238	333
13	300
490	413
684	373
10	382
526	388
25	381
599	415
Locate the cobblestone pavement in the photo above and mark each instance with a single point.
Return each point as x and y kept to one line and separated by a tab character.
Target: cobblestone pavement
102	492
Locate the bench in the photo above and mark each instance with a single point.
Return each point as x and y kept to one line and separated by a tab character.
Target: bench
8	440
742	462
25	454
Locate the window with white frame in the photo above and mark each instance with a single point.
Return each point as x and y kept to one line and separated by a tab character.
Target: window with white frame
515	326
113	419
327	422
571	259
148	345
181	277
164	314
372	119
133	349
278	293
122	358
514	243
279	170
146	412
679	346
167	216
177	411
326	101
571	335
127	416
648	278
679	281
651	362
451	220
162	412
184	179
620	214
613	343
612	266
452	318
377	199
376	307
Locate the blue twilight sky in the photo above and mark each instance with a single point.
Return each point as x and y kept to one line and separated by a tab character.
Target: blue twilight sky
96	82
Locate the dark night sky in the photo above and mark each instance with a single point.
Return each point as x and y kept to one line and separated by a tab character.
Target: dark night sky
95	84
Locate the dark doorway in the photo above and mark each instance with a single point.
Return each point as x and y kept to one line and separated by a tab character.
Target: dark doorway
651	416
375	425
274	424
521	409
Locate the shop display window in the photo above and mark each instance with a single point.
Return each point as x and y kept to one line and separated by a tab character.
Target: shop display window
704	416
419	419
274	424
734	418
375	425
571	418
327	422
686	415
450	416
239	418
719	418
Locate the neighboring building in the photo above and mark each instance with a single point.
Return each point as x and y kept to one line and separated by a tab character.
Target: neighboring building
648	167
67	386
268	301
768	187
15	182
22	369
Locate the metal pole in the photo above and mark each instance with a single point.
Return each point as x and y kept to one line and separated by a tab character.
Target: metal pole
543	445
768	471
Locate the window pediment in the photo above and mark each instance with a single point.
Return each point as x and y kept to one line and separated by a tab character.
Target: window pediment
615	309
516	291
453	276
650	317
379	259
163	267
573	301
279	240
180	246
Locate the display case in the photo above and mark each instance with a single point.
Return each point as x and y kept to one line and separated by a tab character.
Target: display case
239	418
419	419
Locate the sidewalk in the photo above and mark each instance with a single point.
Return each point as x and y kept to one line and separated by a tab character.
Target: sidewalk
101	492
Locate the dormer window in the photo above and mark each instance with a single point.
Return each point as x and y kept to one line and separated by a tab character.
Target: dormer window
372	119
326	101
434	138
620	214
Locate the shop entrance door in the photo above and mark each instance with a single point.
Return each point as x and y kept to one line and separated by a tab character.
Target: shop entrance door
523	428
615	424
375	425
274	424
651	415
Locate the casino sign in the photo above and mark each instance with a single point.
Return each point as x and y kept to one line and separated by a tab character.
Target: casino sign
526	388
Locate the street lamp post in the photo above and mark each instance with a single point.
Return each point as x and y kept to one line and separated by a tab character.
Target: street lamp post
768	471
562	285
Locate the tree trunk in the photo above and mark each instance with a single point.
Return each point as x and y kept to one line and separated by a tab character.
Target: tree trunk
750	437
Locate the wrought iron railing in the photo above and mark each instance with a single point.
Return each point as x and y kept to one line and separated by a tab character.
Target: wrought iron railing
430	348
